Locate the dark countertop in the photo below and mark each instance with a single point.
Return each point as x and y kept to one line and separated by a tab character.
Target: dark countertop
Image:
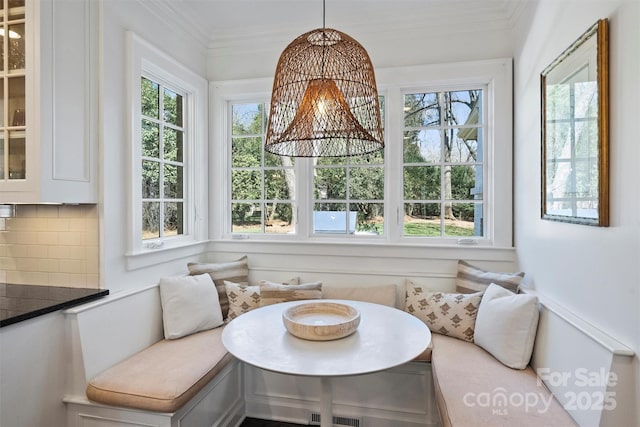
22	302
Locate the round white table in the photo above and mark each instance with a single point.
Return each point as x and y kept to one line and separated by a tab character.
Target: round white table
386	337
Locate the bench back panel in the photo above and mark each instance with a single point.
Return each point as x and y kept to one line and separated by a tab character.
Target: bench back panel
108	331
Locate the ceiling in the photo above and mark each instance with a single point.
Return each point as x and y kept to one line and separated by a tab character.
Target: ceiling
220	25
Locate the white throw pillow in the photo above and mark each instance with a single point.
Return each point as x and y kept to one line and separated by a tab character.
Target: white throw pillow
189	304
506	325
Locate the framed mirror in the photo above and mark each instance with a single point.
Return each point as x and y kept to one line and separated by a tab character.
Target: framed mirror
575	131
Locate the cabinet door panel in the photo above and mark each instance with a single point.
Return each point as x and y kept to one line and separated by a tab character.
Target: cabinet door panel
71	105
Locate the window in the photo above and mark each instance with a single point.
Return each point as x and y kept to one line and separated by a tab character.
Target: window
262	184
163	183
442	164
169	153
443	178
348	192
349	195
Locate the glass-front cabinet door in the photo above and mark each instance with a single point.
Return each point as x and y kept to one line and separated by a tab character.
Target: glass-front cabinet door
13	141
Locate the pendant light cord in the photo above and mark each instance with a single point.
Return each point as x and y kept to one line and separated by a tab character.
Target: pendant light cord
323	14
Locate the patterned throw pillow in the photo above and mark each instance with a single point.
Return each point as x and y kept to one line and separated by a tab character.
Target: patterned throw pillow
243	299
233	271
273	293
473	279
444	313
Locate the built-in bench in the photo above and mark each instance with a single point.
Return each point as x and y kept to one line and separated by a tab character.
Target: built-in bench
125	372
472	388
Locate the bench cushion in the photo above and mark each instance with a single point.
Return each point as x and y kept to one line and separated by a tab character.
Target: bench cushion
474	389
164	376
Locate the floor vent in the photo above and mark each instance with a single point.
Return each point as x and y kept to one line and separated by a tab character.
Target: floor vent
337	420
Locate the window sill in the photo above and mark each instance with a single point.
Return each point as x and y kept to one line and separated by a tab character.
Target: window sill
365	239
358	248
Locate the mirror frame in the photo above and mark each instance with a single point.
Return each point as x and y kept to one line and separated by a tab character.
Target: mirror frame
563	65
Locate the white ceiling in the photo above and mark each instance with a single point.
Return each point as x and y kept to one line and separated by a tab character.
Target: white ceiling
220	25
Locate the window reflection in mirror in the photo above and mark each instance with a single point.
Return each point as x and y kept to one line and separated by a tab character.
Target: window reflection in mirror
575	132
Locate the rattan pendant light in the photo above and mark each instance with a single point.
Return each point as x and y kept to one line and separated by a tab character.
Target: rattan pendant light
324	101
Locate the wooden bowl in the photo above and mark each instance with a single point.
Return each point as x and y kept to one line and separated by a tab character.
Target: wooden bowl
321	321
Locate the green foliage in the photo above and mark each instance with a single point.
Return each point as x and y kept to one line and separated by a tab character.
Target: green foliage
150	98
465	179
330	183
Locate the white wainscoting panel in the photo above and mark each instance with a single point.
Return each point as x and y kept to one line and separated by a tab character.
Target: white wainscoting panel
355	265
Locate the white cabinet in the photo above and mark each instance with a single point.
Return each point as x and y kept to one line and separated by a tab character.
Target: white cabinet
48	149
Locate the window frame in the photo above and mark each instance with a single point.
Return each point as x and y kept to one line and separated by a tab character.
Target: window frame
494	76
147	61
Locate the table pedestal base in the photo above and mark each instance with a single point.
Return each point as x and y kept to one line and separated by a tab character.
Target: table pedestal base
326	415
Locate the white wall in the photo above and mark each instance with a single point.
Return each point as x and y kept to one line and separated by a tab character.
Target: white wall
119	16
591	271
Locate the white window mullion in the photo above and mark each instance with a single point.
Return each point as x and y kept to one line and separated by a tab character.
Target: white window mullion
305	196
394	141
161	160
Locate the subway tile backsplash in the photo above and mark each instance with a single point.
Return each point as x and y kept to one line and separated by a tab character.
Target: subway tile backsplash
51	245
